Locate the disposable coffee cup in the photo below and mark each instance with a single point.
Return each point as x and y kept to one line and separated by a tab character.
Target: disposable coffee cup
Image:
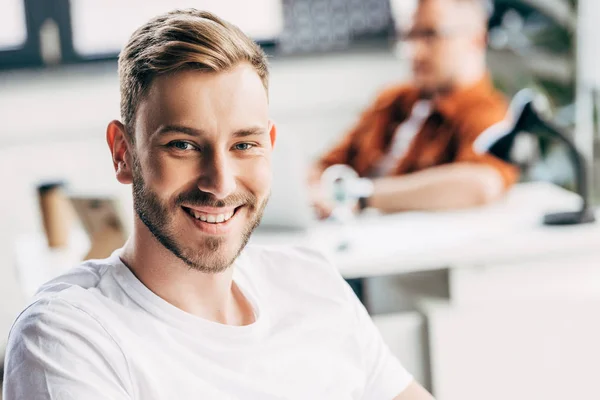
55	213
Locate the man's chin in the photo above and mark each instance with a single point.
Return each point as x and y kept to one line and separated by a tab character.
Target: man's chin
209	260
207	252
212	254
425	86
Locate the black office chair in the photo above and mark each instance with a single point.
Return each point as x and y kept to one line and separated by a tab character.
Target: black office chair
524	119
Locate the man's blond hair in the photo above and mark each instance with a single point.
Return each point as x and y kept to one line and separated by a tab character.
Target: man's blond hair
181	40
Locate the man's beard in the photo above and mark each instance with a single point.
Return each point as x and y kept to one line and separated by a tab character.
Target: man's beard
155	215
441	88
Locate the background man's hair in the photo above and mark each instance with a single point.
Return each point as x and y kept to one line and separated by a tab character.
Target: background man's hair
486	5
180	40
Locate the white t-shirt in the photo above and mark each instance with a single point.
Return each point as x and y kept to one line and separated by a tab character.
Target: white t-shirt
403	137
98	333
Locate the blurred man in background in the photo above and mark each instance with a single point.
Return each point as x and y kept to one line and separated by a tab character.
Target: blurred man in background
415	141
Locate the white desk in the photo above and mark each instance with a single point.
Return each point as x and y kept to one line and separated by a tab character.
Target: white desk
509	231
523	318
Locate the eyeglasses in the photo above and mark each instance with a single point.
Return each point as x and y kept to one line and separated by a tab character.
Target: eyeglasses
426	35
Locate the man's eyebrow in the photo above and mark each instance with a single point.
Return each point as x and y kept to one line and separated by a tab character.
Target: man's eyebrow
166	129
249	132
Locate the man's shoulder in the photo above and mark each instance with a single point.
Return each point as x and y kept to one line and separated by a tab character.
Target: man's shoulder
50	316
483	104
289	259
68	296
55	333
484	113
51	307
394	92
82	278
490	100
296	267
292	255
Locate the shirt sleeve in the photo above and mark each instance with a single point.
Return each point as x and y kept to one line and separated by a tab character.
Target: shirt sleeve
386	377
474	124
58	352
341	153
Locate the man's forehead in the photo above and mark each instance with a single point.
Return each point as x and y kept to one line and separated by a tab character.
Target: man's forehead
237	84
207	101
445	13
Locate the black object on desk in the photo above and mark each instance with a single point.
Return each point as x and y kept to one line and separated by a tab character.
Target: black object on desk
499	140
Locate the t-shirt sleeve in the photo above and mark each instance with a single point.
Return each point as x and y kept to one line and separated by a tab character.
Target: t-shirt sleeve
58	352
471	127
386	377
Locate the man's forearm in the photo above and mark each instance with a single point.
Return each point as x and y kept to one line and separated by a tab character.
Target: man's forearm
314	173
451	186
414	392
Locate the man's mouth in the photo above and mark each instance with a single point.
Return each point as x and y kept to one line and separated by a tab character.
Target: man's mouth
214	217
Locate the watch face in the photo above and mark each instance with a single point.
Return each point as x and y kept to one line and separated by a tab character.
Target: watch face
338	183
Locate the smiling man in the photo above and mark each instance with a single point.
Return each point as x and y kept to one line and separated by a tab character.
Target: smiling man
185	310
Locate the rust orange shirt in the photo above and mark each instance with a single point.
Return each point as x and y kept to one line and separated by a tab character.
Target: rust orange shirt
446	136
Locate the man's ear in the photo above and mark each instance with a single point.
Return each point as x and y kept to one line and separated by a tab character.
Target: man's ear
481	40
116	137
272	132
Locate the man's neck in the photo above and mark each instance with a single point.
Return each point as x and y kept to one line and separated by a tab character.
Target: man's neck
449	89
210	296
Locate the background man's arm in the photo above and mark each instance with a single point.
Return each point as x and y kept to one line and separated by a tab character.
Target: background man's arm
414	392
341	152
321	204
471	180
451	186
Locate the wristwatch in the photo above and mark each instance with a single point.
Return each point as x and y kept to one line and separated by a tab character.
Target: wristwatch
364	189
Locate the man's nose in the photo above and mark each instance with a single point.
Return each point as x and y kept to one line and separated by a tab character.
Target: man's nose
218	176
419	51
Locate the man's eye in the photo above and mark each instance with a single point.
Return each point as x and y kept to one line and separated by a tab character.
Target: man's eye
243	146
179	145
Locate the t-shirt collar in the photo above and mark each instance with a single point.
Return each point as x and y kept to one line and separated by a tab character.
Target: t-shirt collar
167	312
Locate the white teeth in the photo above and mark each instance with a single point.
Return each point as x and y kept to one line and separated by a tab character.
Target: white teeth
211	218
